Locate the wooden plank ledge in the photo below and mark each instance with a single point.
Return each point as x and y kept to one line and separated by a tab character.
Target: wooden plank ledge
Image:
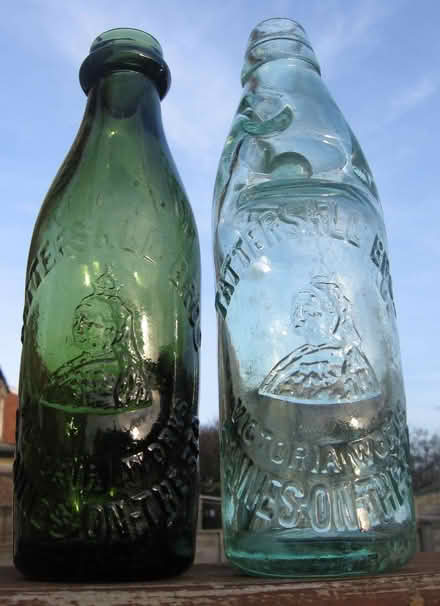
418	584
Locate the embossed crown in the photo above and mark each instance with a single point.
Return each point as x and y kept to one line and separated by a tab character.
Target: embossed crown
105	284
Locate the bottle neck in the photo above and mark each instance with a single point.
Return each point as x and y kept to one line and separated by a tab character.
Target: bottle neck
280	50
298	132
289	74
123	101
120	134
122	126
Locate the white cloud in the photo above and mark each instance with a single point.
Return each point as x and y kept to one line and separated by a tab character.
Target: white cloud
342	27
413	95
205	91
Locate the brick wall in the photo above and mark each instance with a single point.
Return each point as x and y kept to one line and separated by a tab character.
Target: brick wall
10	405
5	488
8	409
5	503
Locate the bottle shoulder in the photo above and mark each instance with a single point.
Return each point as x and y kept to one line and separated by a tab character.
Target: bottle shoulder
104	187
295	132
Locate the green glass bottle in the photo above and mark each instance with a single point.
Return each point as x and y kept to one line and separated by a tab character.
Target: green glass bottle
106	473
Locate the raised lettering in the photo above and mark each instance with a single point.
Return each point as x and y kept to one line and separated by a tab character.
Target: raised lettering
344	507
320	508
270	226
290	511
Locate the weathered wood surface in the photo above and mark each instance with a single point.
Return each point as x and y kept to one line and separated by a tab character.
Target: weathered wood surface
418	584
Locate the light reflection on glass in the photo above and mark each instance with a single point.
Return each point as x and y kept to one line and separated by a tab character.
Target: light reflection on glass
265	264
364	521
145	336
262	266
355	423
135	433
87	280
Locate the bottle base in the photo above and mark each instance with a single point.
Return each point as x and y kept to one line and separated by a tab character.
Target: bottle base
78	563
284	555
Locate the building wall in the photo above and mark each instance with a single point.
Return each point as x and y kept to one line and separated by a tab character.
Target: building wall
8	410
7	428
3	395
427	502
5	501
4	389
428	521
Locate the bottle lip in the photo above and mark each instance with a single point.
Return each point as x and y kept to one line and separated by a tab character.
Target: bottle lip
287	30
125	49
277	38
127	36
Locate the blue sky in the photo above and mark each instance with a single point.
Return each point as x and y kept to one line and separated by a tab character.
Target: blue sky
381	62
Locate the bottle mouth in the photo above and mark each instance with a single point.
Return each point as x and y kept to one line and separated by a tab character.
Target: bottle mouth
125	49
277	28
277	38
127	36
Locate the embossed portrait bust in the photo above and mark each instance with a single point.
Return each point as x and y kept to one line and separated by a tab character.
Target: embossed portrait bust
331	367
110	372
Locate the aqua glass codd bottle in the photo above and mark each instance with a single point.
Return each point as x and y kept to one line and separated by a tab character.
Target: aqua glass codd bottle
314	438
106	473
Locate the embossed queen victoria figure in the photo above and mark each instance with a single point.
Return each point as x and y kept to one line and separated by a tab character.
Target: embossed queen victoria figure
330	367
110	373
